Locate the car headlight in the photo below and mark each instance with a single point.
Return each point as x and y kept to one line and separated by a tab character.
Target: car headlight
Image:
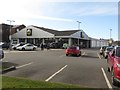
118	65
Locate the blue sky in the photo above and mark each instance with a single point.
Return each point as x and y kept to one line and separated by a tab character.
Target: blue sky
97	17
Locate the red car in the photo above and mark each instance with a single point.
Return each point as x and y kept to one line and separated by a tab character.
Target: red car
73	50
114	65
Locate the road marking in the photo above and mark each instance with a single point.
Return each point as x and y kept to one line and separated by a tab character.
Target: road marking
106	79
18	51
83	54
24	65
56	73
99	56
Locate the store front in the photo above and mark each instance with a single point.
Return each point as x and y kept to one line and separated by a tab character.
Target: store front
37	35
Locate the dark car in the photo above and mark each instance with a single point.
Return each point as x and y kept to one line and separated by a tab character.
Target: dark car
102	49
73	50
5	45
114	65
1	54
106	52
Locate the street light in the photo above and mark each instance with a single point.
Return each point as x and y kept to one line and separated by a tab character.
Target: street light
110	33
78	29
10	34
110	41
79	25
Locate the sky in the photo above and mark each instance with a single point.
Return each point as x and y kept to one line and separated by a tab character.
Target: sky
97	17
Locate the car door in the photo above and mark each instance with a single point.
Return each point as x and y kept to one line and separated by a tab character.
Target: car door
29	47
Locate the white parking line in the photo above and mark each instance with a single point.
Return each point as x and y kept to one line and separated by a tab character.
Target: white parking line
106	79
99	56
19	51
56	73
24	65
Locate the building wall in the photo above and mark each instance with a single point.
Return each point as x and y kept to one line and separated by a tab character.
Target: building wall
78	35
98	43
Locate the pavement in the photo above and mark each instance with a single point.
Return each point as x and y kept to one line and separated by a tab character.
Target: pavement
89	70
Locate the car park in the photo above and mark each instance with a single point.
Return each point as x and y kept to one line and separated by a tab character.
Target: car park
73	50
102	49
27	46
106	52
114	65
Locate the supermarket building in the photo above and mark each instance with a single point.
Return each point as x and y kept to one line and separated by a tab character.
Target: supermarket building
37	35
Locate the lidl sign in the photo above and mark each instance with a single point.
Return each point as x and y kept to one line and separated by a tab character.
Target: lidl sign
29	32
81	35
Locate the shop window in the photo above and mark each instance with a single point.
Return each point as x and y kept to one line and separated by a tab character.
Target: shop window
21	40
14	42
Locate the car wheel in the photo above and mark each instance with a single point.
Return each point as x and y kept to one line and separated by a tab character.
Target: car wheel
108	69
114	82
23	49
66	54
34	49
105	57
14	48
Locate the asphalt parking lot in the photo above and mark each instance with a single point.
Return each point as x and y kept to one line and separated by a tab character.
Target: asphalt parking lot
89	70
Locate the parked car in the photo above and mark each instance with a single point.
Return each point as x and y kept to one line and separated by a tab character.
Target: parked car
102	49
27	46
114	65
1	54
106	52
73	50
5	45
17	45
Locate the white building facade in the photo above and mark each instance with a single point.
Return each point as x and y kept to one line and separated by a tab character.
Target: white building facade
37	35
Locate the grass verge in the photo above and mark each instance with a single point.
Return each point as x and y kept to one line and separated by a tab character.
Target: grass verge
12	82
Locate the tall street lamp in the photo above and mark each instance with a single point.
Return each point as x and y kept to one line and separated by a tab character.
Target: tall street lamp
110	41
79	24
78	29
10	34
110	33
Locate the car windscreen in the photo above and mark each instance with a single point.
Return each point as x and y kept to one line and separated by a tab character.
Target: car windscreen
104	47
118	51
72	47
109	49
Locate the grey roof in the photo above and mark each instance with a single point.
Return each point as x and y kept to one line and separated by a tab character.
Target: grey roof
66	33
58	33
46	29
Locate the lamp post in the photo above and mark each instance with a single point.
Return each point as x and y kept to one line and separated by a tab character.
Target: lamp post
10	34
79	24
110	41
110	33
78	29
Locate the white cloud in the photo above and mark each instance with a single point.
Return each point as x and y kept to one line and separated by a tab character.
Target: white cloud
85	11
20	10
24	9
79	0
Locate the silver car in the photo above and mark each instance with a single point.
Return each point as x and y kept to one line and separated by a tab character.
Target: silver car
27	46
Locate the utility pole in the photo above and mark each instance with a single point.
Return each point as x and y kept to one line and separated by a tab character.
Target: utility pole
10	46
